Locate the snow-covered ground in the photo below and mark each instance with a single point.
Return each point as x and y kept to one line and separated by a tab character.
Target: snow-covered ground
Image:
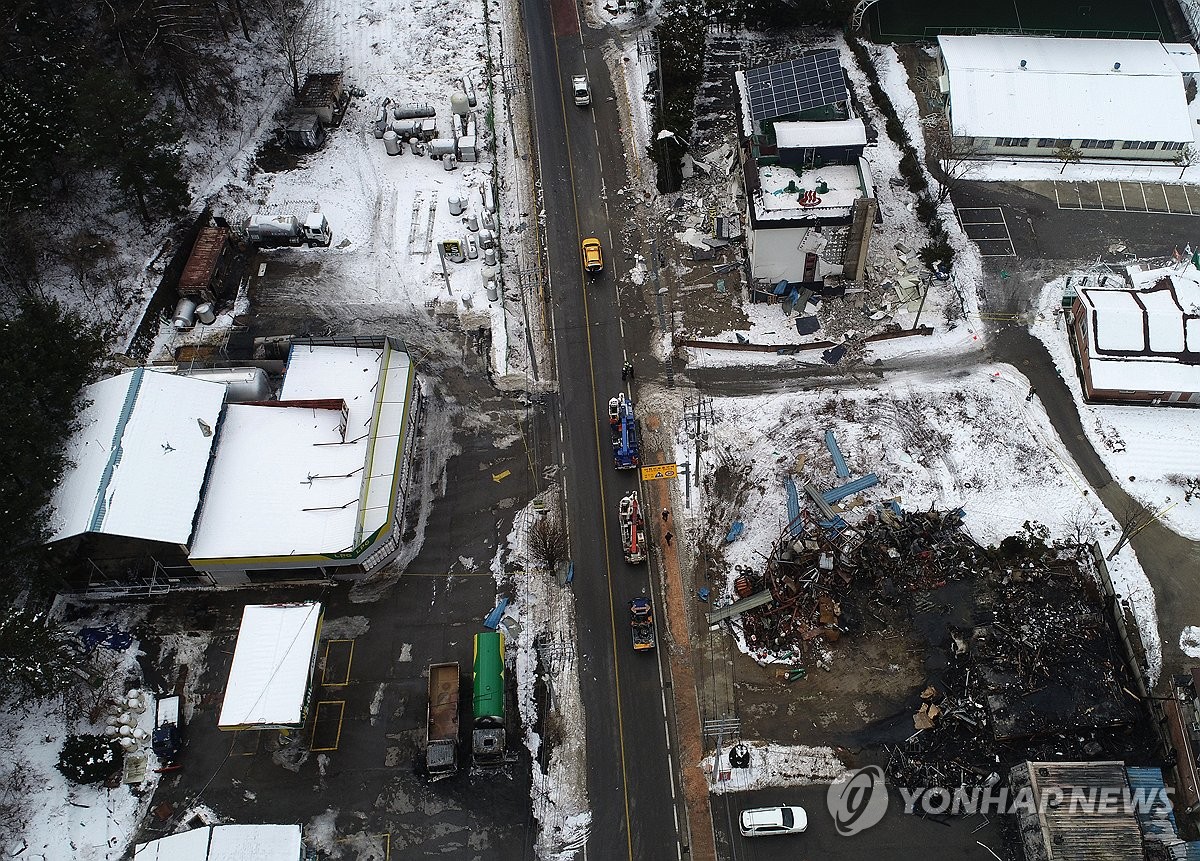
972	441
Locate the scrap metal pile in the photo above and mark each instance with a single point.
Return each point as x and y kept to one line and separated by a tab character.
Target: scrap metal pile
1022	660
1039	676
815	564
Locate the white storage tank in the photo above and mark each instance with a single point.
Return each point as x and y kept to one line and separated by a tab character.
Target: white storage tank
460	105
185	314
206	313
493	292
391	144
456	205
241	384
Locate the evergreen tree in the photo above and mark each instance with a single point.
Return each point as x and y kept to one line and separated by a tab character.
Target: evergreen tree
89	758
36	658
142	150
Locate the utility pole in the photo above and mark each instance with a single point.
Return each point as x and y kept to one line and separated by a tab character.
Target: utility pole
697	437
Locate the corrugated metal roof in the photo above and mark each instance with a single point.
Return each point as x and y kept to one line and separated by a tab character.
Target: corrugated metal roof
1067	89
1155	817
1073	832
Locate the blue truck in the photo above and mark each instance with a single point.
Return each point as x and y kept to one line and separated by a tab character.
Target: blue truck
623	427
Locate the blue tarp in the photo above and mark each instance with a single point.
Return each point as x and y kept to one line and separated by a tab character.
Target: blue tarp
851	488
793	505
734	531
493	618
781	288
108	636
839	462
833	355
895	507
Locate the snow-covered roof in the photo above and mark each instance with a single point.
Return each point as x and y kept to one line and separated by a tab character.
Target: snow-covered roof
1145	337
139	457
1067	89
845	184
288	481
272	663
1183	56
796	135
226	843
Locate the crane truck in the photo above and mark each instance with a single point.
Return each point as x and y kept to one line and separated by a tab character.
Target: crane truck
633	529
623	428
441	738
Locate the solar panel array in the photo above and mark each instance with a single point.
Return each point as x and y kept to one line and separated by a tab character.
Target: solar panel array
812	81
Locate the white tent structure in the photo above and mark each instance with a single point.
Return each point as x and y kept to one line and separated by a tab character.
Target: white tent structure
272	666
226	843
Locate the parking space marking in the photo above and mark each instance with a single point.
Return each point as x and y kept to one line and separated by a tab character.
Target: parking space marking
981	224
1158	198
325	726
340	655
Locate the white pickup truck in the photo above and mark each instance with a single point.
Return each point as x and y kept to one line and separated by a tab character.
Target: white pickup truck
581	90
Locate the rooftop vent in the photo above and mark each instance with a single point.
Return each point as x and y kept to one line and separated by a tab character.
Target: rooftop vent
1024	63
1116	67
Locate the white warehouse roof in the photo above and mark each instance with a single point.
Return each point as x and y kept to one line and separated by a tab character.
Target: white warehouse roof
139	458
797	135
298	478
272	663
1067	89
226	843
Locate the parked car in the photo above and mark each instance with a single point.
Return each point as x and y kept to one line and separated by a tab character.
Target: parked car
593	257
581	90
765	821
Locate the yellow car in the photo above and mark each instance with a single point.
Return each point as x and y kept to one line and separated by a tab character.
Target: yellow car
593	258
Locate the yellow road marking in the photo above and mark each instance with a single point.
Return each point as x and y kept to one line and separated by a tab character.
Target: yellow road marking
341	704
325	665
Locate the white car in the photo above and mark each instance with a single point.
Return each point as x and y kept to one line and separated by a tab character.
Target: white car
583	93
765	821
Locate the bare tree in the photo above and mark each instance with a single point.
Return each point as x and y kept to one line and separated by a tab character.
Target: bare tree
951	159
1067	154
1133	517
298	34
548	541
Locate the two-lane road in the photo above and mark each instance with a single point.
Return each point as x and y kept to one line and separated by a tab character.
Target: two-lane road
630	774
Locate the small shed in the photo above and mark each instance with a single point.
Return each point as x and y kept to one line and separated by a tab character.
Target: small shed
304	131
324	96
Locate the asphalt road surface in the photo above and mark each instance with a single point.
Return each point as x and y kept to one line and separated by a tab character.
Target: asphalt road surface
630	777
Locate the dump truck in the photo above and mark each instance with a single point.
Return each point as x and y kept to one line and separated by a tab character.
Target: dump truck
441	739
623	428
633	529
268	231
641	624
204	273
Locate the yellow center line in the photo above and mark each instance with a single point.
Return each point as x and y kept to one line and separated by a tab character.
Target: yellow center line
599	465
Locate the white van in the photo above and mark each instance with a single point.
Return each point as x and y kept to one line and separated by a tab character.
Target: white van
583	93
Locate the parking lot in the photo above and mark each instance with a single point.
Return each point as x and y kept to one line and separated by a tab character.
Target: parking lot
1156	197
348	774
987	228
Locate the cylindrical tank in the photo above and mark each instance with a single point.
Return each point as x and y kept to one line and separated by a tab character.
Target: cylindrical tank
241	384
489	257
416	146
487	238
206	313
439	147
391	144
409	112
185	314
407	128
456	205
468	300
460	105
489	221
472	249
449	162
473	222
493	292
489	198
